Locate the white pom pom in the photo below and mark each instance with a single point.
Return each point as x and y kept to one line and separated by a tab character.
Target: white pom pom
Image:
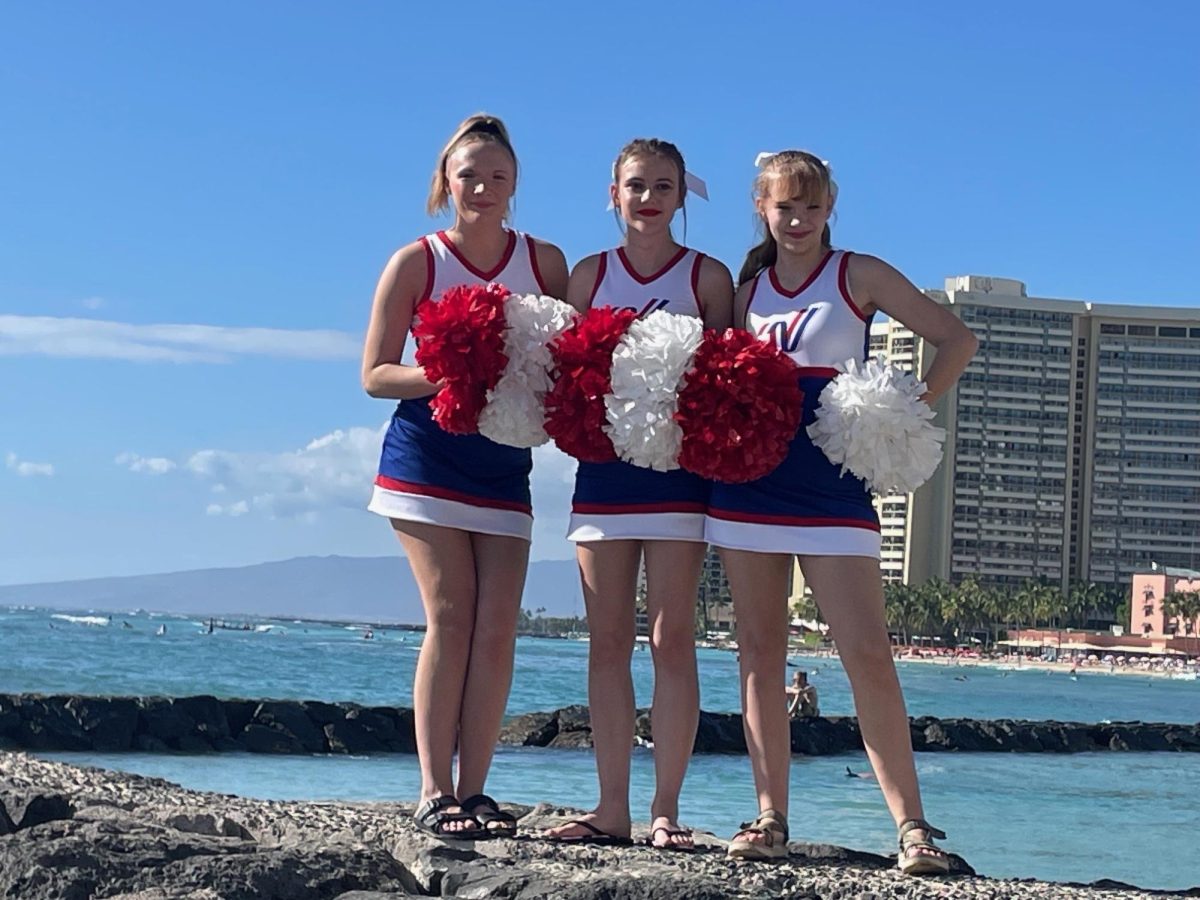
647	367
872	422
515	412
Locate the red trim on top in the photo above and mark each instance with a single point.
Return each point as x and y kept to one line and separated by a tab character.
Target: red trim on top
616	509
730	515
479	273
429	490
696	282
537	273
844	286
817	372
791	295
429	272
657	275
600	270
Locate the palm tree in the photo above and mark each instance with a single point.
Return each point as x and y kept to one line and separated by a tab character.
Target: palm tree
995	604
903	608
1183	605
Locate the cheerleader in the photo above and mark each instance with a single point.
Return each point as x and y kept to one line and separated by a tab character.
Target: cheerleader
459	504
623	515
815	303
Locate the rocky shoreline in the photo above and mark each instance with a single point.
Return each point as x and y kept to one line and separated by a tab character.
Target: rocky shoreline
72	833
206	724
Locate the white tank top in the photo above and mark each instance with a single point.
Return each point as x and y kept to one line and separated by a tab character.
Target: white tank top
818	325
673	288
517	269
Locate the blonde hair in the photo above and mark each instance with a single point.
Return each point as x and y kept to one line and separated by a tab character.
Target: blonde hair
791	173
474	129
662	149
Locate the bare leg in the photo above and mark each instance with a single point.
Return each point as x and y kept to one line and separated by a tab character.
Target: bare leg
849	591
759	585
443	564
609	573
672	576
500	566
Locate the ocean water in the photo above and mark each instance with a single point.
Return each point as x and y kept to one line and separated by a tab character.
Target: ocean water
1131	817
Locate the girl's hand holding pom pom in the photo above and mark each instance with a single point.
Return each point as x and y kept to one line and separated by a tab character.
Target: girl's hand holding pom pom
873	423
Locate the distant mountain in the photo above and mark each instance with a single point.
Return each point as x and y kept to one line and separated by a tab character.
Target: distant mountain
375	589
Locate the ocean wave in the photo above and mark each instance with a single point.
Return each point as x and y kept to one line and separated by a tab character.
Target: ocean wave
83	620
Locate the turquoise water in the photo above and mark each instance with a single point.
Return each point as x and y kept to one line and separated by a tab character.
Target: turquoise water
1131	817
312	661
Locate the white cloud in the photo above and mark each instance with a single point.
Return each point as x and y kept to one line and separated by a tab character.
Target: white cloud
155	465
100	339
27	469
233	509
92	302
335	470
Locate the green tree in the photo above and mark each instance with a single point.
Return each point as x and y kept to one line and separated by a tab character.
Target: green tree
1185	607
899	605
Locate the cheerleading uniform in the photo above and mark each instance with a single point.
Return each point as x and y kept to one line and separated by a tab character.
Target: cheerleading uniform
462	481
805	506
618	500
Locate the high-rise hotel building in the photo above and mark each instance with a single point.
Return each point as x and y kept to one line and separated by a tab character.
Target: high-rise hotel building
1072	447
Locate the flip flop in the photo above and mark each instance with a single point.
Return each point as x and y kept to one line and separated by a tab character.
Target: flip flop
596	837
670	845
494	821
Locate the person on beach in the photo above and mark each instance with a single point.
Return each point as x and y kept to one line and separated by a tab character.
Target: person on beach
802	703
815	303
623	515
459	504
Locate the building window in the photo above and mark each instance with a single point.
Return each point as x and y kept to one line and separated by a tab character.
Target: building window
1171	331
1144	330
1108	328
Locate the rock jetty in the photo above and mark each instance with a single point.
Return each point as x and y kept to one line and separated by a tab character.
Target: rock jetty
207	724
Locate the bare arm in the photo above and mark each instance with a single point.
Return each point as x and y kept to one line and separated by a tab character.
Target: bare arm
553	268
716	294
876	285
583	282
741	302
399	288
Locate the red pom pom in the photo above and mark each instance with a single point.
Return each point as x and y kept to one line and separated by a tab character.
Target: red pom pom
460	342
739	409
575	416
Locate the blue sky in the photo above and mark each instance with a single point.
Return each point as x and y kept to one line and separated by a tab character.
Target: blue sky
237	174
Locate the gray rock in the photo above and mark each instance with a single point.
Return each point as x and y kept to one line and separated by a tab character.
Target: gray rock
144	839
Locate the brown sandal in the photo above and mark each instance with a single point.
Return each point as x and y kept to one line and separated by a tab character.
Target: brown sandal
772	825
933	861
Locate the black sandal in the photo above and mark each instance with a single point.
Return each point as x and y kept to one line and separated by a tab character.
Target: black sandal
493	821
432	818
671	834
933	861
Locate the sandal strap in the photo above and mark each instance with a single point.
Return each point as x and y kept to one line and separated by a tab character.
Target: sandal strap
909	825
431	807
480	800
769	821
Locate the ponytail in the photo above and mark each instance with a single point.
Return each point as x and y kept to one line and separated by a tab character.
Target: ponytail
759	258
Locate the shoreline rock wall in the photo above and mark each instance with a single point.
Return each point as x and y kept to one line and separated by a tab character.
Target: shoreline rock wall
205	724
